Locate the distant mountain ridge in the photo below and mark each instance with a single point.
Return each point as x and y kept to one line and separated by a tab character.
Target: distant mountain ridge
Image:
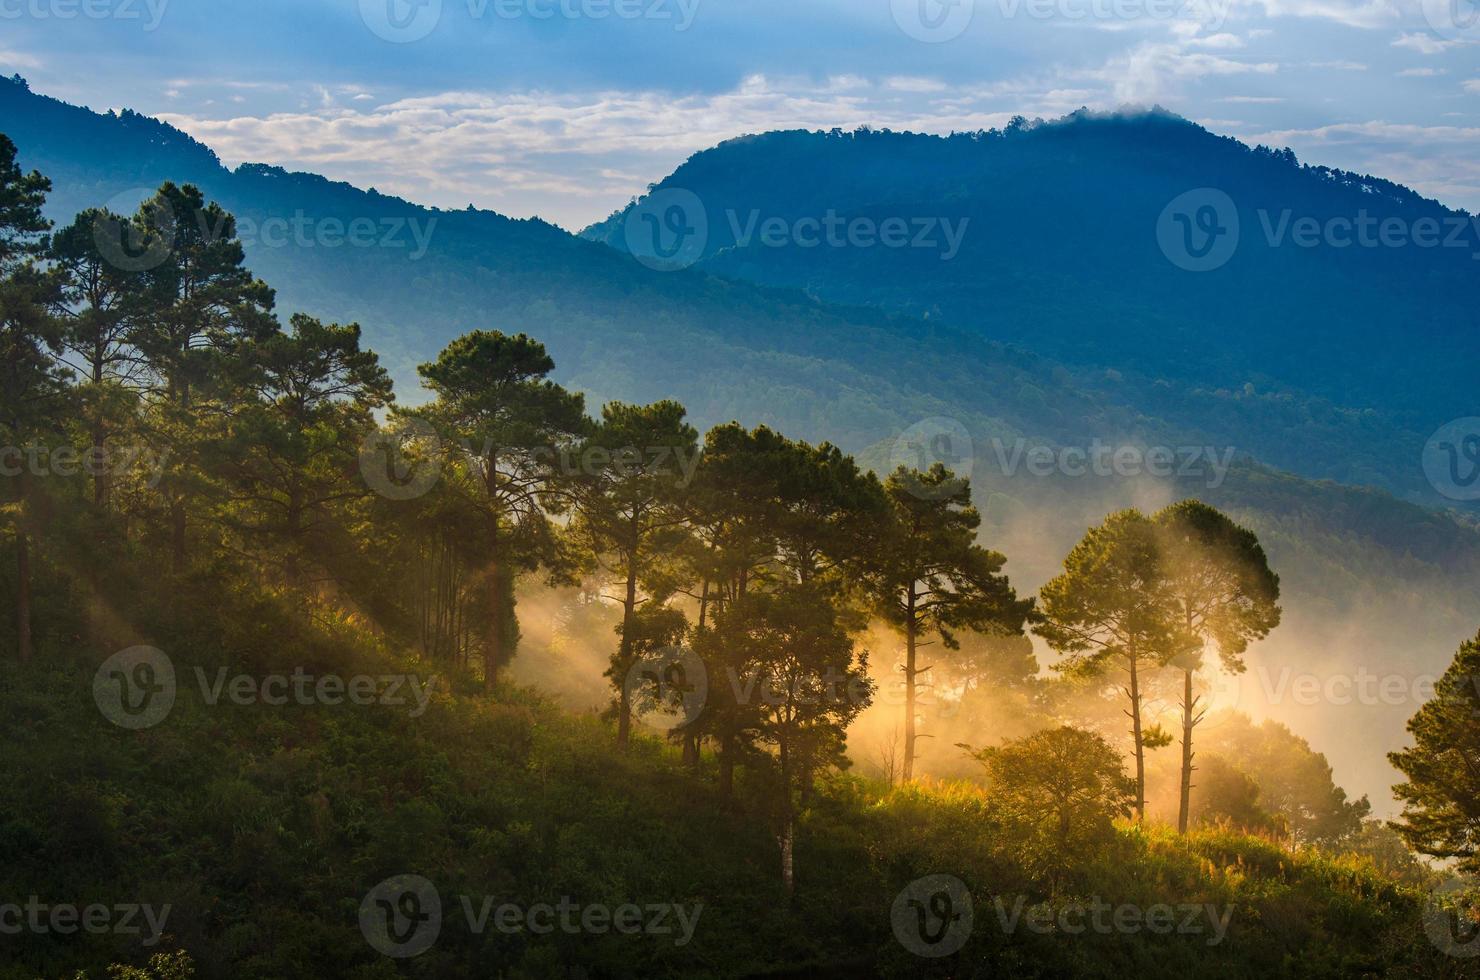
1061	254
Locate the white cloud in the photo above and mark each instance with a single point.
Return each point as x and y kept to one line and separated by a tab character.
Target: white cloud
1367	13
1425	43
1339	65
1420	72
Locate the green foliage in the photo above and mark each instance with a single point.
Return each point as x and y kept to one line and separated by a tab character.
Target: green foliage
1441	788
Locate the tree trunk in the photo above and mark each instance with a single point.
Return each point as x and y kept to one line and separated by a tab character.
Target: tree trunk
1136	736
788	870
177	533
908	773
727	766
691	751
624	657
1188	706
493	643
23	592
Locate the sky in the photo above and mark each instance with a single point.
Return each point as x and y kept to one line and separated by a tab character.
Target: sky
566	109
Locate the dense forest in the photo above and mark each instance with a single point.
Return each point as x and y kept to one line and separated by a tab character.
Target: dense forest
265	618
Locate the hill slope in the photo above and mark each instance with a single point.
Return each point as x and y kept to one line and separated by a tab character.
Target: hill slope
1047	235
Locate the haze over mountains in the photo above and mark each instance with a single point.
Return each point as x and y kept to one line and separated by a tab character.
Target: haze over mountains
1058	321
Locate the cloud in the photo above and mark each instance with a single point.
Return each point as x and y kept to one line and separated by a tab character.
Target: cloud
15	59
1425	43
1420	72
1473	86
1368	14
1442	162
1339	65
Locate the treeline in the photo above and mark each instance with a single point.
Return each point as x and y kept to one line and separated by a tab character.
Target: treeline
140	351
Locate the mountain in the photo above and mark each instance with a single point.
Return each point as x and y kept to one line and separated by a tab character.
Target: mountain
1371	581
1330	355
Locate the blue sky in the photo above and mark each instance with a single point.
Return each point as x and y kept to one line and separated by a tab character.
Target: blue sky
567	108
